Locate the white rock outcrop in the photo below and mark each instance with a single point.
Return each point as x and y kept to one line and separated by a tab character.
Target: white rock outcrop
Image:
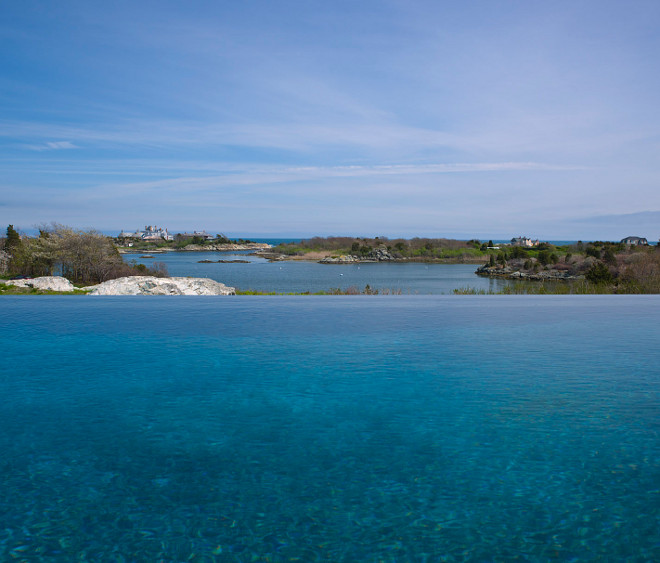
50	283
343	259
149	285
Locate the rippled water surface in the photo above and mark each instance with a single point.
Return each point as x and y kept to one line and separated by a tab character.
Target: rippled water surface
330	428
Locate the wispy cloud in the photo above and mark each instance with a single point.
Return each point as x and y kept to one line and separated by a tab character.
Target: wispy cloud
564	137
406	169
217	175
52	146
173	168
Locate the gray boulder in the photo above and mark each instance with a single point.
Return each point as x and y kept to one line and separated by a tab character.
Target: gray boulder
380	254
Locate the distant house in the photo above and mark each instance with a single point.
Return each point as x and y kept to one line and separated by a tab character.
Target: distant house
635	241
524	241
201	234
126	234
150	233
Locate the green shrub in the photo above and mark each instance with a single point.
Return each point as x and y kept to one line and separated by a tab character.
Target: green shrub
599	274
518	252
544	257
609	257
593	251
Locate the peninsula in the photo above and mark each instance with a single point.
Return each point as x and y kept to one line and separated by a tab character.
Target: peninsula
628	266
158	239
350	250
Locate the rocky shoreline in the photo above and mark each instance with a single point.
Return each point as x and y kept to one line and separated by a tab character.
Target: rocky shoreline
512	274
376	255
253	246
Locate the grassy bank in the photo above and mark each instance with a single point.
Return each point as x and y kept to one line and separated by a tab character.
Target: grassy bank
415	249
8	289
581	287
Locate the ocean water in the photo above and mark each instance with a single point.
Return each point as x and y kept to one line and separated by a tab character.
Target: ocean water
343	429
298	276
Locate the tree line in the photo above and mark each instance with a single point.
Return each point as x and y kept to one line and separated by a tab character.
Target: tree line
400	248
84	257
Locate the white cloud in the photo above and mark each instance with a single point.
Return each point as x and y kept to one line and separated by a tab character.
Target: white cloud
53	146
263	177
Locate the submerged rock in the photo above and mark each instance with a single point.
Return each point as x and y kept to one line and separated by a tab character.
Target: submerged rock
272	256
46	283
232	261
149	285
223	261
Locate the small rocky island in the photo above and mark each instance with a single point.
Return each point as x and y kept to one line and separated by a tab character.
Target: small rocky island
380	254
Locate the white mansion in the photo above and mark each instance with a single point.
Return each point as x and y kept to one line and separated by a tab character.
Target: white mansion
150	233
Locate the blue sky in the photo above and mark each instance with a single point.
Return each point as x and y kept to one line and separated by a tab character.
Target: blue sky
489	119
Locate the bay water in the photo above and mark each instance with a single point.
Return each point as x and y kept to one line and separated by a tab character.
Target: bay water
301	276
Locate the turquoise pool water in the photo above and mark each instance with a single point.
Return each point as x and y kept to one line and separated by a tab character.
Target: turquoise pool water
330	428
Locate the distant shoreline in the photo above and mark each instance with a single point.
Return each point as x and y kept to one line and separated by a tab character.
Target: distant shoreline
263	252
238	247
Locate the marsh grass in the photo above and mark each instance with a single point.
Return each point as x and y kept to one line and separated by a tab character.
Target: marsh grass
9	289
581	287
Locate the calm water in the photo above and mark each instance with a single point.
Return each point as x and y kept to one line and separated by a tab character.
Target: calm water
339	429
262	275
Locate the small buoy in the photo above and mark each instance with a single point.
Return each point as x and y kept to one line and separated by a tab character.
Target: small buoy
341	274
